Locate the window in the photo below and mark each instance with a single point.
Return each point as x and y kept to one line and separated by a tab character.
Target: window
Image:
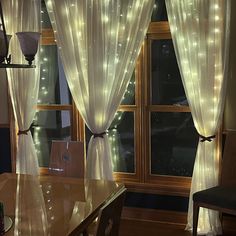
164	138
152	137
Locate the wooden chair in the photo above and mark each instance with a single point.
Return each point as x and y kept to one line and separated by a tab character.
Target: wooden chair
108	221
67	159
221	198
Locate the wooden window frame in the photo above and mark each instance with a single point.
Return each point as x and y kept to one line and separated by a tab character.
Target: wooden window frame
146	182
141	180
177	185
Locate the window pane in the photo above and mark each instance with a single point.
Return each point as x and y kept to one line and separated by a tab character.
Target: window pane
129	96
45	17
159	11
121	137
167	88
173	143
53	87
48	126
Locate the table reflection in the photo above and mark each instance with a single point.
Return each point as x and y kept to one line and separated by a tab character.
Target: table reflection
46	205
30	211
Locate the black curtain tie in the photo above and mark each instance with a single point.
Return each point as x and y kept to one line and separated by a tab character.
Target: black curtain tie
99	135
209	138
25	132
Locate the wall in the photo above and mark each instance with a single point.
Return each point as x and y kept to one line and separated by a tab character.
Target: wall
3	99
5	153
230	108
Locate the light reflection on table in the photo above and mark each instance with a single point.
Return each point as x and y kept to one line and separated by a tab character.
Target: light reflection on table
49	205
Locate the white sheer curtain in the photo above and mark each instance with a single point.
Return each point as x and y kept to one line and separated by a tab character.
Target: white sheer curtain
99	41
23	15
200	32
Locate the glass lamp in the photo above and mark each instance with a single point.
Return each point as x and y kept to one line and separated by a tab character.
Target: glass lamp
28	43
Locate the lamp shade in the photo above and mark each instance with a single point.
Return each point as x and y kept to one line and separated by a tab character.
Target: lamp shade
29	44
3	46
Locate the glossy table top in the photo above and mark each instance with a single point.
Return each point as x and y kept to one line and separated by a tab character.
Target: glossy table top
50	205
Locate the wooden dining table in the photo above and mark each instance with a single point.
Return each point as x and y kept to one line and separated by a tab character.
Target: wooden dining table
51	205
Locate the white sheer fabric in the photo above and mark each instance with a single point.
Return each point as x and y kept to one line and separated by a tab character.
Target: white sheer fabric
23	15
200	32
99	41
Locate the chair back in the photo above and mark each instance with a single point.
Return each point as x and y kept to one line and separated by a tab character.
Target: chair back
67	159
109	216
228	172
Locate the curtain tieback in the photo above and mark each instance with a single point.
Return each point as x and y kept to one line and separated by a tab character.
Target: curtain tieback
25	132
100	135
209	138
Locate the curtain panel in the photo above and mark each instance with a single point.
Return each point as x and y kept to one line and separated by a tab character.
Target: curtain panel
200	32
99	41
23	15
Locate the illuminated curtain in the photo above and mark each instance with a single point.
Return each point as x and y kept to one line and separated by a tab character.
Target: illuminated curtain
200	32
99	41
23	15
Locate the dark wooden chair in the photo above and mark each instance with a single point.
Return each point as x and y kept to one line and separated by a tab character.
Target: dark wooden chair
108	221
67	159
221	198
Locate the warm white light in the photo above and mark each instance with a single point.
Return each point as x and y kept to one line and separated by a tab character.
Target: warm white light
105	19
104	65
210	41
200	54
49	3
66	11
116	60
216	6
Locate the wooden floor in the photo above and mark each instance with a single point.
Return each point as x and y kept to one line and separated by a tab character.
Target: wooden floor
147	228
